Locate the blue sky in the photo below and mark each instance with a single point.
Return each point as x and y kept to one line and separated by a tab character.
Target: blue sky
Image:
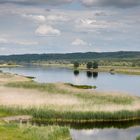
62	26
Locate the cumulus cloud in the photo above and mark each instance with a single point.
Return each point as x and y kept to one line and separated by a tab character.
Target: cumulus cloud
79	42
47	30
115	3
38	18
90	24
56	18
17	42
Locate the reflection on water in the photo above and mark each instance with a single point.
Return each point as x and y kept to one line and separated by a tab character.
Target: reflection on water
106	134
89	74
103	80
95	75
76	72
92	74
127	130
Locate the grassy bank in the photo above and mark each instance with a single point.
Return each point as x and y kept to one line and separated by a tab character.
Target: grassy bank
115	69
9	65
47	115
16	132
64	103
81	86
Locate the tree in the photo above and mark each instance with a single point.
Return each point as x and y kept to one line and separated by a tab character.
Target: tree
76	64
89	65
95	65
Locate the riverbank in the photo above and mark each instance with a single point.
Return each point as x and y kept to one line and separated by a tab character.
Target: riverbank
111	69
9	65
27	132
63	103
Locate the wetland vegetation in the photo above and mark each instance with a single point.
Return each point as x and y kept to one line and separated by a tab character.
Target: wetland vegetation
59	103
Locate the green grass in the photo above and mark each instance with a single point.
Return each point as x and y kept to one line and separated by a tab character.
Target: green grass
81	86
47	115
16	132
138	138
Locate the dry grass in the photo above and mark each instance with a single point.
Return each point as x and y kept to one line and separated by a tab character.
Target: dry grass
40	98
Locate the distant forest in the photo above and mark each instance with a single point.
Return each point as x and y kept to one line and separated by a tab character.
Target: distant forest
123	55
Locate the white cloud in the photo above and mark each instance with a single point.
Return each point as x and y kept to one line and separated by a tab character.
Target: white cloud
90	23
17	42
47	30
39	18
57	18
3	41
78	42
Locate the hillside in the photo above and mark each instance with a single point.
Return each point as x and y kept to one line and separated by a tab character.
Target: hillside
70	56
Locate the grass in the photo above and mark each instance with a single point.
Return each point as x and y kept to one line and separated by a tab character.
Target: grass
88	97
82	86
138	138
16	132
33	85
44	114
90	106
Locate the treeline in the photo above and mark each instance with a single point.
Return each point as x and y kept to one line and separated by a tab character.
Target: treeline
123	55
121	58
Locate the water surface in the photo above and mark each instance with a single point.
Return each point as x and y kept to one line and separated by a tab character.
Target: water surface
103	80
106	134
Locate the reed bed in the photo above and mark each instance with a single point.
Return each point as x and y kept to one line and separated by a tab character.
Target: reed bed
44	114
90	106
16	132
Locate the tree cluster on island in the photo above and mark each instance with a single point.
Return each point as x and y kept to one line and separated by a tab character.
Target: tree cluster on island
89	65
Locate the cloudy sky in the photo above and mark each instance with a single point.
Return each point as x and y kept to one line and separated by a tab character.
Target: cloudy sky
61	26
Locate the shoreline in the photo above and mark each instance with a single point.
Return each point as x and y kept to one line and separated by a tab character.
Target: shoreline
117	69
18	89
74	98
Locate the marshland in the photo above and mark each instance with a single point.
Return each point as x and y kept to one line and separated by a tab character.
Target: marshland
69	70
55	100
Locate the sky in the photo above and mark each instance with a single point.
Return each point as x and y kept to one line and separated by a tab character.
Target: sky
65	26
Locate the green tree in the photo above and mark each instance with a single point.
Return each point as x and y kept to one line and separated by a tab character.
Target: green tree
76	64
95	65
89	65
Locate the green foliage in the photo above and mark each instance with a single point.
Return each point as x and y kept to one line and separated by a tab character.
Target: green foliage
82	86
76	64
71	57
138	138
16	132
89	65
95	65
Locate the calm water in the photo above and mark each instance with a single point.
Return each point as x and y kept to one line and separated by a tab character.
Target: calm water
106	134
103	81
